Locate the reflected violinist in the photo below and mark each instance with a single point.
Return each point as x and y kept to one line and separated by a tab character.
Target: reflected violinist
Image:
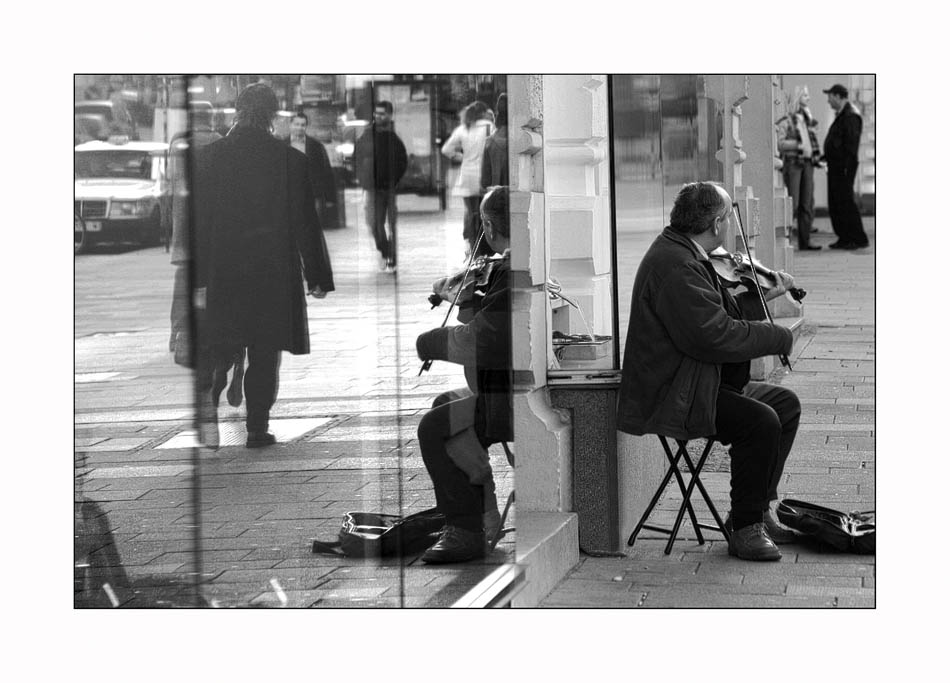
454	436
686	367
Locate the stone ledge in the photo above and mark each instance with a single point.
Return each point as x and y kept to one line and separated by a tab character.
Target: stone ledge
548	547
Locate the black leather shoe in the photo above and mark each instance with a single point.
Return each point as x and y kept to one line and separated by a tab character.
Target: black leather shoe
753	543
842	245
260	439
456	545
810	247
779	534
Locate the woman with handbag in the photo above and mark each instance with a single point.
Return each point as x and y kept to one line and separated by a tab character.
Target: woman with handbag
800	155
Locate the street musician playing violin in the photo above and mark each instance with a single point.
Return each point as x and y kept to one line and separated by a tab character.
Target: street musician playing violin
455	434
686	366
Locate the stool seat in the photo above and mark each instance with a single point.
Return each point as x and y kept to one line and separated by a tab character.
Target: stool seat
687	490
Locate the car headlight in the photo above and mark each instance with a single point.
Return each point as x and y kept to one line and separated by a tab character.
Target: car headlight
129	209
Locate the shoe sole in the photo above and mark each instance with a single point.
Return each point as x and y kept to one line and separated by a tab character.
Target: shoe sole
438	560
762	558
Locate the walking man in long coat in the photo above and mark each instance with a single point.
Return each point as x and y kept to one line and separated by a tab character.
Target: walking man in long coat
255	222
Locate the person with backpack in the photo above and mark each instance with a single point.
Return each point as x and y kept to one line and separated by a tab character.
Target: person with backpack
455	434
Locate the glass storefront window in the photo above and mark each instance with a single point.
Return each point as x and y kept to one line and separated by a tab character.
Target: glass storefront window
181	499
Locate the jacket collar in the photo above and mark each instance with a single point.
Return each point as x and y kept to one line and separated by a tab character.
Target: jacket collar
679	238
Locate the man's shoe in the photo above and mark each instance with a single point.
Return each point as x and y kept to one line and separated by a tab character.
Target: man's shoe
810	247
753	543
456	545
260	439
842	245
779	534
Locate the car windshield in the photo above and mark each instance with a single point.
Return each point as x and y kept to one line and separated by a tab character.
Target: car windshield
114	164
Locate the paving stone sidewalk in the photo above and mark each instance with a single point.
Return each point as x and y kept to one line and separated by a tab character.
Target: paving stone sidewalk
160	515
832	464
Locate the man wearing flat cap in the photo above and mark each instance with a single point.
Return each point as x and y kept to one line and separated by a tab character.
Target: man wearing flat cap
841	155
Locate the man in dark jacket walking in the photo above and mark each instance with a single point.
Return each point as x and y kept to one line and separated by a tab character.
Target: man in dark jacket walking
381	161
841	155
254	223
686	366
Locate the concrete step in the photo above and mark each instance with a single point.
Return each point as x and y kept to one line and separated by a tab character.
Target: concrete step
548	548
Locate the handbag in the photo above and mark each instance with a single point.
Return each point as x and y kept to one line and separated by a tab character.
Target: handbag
373	534
848	532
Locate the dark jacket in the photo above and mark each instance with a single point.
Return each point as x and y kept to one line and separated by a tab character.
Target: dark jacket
254	223
841	143
484	341
495	159
380	159
683	328
321	173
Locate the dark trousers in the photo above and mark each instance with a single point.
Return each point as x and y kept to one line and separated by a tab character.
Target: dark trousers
381	204
844	212
461	501
800	180
261	381
760	424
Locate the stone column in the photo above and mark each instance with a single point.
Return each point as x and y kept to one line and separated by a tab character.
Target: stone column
542	435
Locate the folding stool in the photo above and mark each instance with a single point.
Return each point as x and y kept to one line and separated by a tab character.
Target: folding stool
686	490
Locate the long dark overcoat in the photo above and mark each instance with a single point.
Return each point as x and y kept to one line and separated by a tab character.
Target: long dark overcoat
255	223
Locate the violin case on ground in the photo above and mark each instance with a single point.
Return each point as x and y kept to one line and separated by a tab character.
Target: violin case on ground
373	534
847	532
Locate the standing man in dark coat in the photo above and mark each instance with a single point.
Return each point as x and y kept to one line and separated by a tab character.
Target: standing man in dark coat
841	155
318	164
686	367
254	223
381	162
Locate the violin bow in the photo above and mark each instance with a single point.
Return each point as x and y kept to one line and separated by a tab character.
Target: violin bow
758	288
471	259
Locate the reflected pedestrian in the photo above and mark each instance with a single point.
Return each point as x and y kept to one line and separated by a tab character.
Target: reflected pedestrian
318	164
841	155
381	161
255	225
495	157
466	144
800	155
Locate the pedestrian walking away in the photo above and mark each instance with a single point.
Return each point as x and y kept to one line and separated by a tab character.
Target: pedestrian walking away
686	366
466	144
841	155
800	155
255	223
381	161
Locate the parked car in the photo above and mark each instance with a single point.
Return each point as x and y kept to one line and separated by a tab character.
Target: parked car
121	191
117	118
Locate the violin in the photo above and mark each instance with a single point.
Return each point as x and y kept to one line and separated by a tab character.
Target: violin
738	268
462	287
465	282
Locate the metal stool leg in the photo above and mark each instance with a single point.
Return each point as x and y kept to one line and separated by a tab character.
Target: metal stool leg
694	471
687	504
694	479
656	497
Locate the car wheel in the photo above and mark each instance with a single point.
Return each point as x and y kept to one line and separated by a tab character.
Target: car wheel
79	234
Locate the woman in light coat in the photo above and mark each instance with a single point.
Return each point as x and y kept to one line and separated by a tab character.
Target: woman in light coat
467	144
